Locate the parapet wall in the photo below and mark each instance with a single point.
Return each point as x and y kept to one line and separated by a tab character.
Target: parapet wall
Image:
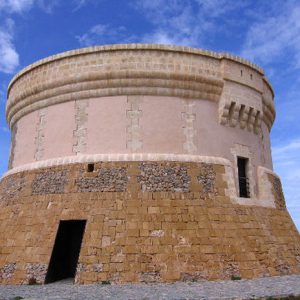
146	99
129	69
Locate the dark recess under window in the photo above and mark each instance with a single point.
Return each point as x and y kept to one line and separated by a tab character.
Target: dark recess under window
243	179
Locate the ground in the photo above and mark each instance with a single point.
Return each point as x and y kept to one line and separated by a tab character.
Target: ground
279	287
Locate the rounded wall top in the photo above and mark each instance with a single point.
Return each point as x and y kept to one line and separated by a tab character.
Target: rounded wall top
131	69
116	47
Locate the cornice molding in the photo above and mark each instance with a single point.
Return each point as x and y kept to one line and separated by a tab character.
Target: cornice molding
126	157
100	71
99	84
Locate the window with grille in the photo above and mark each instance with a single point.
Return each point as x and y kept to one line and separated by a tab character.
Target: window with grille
243	178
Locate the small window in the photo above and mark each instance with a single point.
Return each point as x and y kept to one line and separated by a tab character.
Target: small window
241	73
251	76
90	168
243	178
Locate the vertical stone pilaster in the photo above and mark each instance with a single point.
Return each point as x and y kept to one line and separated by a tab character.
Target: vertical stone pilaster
188	117
134	140
40	135
80	132
12	146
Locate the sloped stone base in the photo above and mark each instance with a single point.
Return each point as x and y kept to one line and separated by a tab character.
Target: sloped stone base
146	222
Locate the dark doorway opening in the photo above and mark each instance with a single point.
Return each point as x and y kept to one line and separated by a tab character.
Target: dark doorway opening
66	250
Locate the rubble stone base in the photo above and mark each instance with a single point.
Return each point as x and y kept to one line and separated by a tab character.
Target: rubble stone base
146	222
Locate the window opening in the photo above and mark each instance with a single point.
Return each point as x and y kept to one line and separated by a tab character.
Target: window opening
243	178
90	168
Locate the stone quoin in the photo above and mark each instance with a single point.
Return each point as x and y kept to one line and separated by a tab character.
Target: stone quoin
142	163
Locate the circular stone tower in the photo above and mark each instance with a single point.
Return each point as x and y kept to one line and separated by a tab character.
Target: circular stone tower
142	163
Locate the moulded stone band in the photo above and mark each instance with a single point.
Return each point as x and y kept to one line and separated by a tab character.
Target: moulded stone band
91	158
161	91
112	72
142	83
117	47
108	76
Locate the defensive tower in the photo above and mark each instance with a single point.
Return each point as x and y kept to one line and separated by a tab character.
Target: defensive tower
142	163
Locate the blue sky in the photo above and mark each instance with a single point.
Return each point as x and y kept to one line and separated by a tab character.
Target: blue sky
263	31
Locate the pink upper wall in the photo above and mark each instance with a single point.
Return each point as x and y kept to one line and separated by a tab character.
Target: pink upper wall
106	125
59	125
160	126
24	149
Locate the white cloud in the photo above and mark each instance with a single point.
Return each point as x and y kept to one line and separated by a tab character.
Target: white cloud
8	54
5	129
174	22
185	22
104	34
48	5
21	6
275	36
284	149
216	8
159	37
78	4
15	6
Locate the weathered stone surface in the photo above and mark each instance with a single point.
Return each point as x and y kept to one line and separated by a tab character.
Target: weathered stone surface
80	133
10	188
231	270
207	178
107	180
14	130
97	267
49	182
7	271
150	277
83	268
283	269
193	277
167	177
36	272
277	191
136	236
39	139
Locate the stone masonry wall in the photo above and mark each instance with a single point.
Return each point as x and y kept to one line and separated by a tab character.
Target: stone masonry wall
11	188
143	235
277	191
50	182
170	177
103	180
207	178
